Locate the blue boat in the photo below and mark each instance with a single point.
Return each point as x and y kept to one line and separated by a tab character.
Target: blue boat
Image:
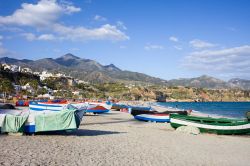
153	117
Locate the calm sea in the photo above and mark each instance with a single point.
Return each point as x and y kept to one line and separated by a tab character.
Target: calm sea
227	109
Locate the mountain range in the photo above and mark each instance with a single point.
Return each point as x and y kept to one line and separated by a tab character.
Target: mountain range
85	69
93	72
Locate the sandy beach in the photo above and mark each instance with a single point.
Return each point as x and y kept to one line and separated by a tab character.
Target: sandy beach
117	139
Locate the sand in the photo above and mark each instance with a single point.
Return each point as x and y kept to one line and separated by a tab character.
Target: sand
117	139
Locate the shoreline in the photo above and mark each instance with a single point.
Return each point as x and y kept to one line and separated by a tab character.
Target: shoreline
161	108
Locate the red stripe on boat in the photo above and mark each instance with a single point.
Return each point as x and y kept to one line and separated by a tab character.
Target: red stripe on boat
98	108
160	114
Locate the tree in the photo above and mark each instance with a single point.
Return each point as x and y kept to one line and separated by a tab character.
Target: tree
34	84
6	87
42	91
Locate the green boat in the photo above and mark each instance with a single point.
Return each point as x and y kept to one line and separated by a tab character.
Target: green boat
212	125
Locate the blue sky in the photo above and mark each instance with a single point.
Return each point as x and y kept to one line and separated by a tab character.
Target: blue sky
164	38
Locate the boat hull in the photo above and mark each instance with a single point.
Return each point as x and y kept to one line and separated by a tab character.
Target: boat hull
43	106
235	127
65	120
153	118
97	111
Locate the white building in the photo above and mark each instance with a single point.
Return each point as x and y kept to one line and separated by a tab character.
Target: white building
15	68
45	75
26	70
6	66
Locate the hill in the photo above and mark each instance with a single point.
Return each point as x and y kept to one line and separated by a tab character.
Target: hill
85	69
94	72
201	82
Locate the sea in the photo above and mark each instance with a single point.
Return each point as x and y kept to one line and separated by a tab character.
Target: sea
224	109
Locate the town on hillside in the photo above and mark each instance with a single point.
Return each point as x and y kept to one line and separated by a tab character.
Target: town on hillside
22	83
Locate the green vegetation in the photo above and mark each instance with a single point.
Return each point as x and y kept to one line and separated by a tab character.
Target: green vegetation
6	87
66	88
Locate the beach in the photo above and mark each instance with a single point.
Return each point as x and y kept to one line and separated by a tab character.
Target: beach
117	139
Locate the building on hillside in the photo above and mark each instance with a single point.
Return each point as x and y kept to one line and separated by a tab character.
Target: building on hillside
17	88
76	93
15	68
80	81
28	88
36	73
6	66
26	70
60	75
45	75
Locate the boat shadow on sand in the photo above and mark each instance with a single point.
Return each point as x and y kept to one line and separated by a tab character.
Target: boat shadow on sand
107	122
79	132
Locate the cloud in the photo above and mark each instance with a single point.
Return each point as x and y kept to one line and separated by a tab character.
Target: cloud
45	15
42	14
153	47
178	47
121	25
29	36
44	37
173	39
105	32
231	61
199	44
99	18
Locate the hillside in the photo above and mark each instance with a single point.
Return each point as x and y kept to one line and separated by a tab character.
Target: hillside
244	84
94	72
203	82
85	69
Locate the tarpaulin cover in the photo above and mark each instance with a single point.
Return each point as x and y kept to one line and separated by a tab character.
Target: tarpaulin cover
62	120
13	123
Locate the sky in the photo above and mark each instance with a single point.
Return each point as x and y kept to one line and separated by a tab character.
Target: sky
165	38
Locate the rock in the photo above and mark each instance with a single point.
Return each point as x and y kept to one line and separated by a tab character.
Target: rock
188	130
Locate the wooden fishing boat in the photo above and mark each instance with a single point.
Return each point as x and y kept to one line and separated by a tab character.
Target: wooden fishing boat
212	125
160	117
30	122
97	109
117	107
138	112
41	106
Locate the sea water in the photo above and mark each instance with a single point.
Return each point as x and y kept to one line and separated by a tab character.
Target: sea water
225	109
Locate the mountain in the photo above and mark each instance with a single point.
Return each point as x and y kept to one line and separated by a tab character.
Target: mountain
201	82
94	72
244	84
85	69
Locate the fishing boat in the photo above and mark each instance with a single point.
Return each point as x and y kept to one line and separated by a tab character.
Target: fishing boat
158	117
107	105
41	106
118	107
212	125
55	105
97	109
138	112
30	122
